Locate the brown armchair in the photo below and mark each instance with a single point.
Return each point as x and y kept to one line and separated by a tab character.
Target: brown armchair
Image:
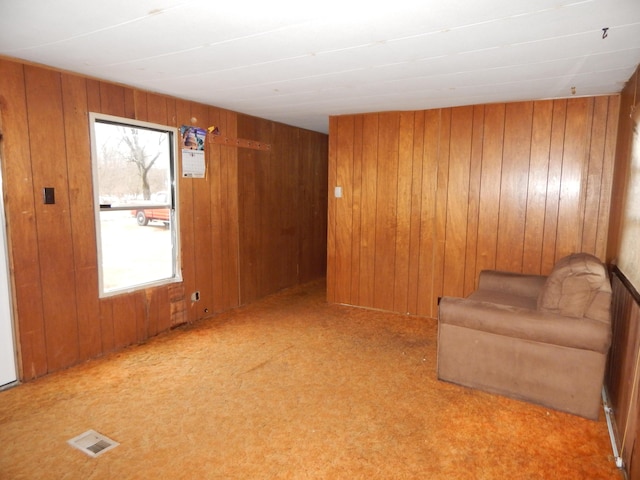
535	338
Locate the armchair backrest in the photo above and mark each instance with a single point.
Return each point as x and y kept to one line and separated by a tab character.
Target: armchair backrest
578	287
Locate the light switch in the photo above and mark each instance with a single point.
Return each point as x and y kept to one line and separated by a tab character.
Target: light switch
338	192
49	195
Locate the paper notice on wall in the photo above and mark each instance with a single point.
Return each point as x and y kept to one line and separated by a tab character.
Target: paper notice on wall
193	142
193	165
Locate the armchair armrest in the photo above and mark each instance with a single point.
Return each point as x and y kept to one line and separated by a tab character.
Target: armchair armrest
531	325
511	283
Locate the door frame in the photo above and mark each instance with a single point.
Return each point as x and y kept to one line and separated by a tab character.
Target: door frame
6	271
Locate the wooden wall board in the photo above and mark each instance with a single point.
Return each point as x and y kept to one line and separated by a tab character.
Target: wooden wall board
629	102
186	218
558	121
386	226
53	254
215	243
20	213
369	172
457	210
622	377
415	222
78	150
248	214
622	374
427	242
513	186
404	213
473	206
344	208
229	225
313	209
440	195
271	190
537	186
606	192
54	240
490	180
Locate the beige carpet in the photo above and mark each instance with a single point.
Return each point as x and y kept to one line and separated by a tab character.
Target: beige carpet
289	388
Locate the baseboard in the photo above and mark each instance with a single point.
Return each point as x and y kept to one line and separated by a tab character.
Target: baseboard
613	434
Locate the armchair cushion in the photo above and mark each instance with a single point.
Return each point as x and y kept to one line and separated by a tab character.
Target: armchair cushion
572	286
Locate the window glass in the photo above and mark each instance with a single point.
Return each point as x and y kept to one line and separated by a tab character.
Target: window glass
135	197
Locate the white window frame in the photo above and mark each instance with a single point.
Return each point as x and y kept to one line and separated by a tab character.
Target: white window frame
173	206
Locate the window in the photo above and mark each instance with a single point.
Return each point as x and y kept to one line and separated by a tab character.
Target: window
135	194
629	255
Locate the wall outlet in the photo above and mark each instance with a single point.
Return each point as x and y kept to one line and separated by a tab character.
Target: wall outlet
195	296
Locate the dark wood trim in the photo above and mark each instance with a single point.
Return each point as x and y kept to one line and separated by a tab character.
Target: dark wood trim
626	282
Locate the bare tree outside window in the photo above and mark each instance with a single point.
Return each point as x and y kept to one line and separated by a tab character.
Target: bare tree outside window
138	155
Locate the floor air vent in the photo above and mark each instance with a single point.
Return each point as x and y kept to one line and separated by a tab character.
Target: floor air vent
92	443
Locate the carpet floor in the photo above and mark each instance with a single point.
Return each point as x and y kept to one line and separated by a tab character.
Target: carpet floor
289	387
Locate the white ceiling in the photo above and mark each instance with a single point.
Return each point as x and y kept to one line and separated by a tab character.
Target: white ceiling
298	62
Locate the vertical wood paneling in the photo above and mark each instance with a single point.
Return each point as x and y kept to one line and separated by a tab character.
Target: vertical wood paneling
629	103
204	248
107	331
270	205
623	376
53	257
473	210
112	99
49	169
537	187
251	167
416	210
594	171
457	200
332	173
215	243
426	274
369	213
74	96
344	208
607	187
442	194
513	186
492	146
386	210
20	213
187	222
229	227
558	122
570	216
356	208
403	212
313	207
124	315
622	371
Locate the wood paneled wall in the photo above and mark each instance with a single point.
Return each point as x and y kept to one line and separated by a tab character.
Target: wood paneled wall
255	225
284	195
430	198
623	375
629	103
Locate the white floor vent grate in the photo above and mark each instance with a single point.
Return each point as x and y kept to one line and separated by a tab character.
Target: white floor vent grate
92	443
